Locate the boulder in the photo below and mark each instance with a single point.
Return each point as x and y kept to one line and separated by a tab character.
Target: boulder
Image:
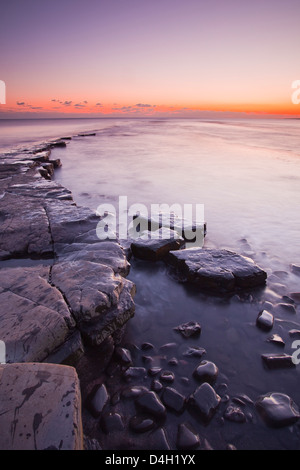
154	246
218	271
28	421
277	410
206	401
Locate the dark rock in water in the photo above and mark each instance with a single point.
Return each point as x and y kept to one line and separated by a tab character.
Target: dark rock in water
296	297
230	447
243	399
135	373
294	333
234	414
206	372
265	320
167	347
134	391
69	352
123	356
277	410
147	346
154	371
112	422
156	386
158	440
284	307
154	246
91	444
147	359
278	361
92	134
167	376
219	271
98	401
277	340
140	424
173	399
173	361
150	403
189	330
194	352
187	438
295	269
206	401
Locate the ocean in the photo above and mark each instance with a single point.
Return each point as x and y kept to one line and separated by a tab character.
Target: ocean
246	173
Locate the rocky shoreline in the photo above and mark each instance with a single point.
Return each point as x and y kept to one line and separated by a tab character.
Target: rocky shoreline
66	299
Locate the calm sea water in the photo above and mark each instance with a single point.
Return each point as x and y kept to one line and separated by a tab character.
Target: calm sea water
247	175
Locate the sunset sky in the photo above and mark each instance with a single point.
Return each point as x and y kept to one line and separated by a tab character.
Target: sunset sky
92	58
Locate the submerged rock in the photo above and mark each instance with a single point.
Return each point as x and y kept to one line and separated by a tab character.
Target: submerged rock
173	399
265	320
98	401
194	352
234	414
278	361
190	329
277	340
277	410
150	403
295	269
219	271
154	246
140	424
206	401
112	422
206	372
187	438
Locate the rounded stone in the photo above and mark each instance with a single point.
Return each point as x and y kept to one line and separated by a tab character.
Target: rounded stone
206	372
277	410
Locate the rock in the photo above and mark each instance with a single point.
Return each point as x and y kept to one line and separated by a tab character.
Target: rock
158	440
167	376
153	371
36	320
278	361
277	340
150	403
140	424
194	352
69	353
206	372
173	400
135	373
296	297
154	246
219	271
91	134
277	410
173	361
168	347
111	423
234	414
123	356
156	386
28	421
91	444
147	346
284	307
134	391
294	333
98	401
147	360
187	438
189	330
295	269
205	401
265	320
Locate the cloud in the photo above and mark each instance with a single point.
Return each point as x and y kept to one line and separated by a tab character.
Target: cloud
67	103
141	105
99	104
21	103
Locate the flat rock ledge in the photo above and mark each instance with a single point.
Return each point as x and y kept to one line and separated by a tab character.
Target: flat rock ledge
76	292
216	271
25	422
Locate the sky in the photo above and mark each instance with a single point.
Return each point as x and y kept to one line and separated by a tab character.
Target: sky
181	58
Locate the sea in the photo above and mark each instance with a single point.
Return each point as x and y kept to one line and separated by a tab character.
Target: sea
246	175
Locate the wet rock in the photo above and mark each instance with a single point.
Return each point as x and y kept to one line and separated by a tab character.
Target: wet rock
147	360
69	353
230	447
284	307
277	340
295	269
173	361
173	400
123	356
156	386
205	401
194	352
134	392
187	438
154	371
294	333
278	361
150	403
91	444
97	402
277	410
296	297
219	271
40	407
91	134
140	424
168	347
147	346
265	320
206	372
135	373
167	376
242	399
154	246
234	414
189	330
111	423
